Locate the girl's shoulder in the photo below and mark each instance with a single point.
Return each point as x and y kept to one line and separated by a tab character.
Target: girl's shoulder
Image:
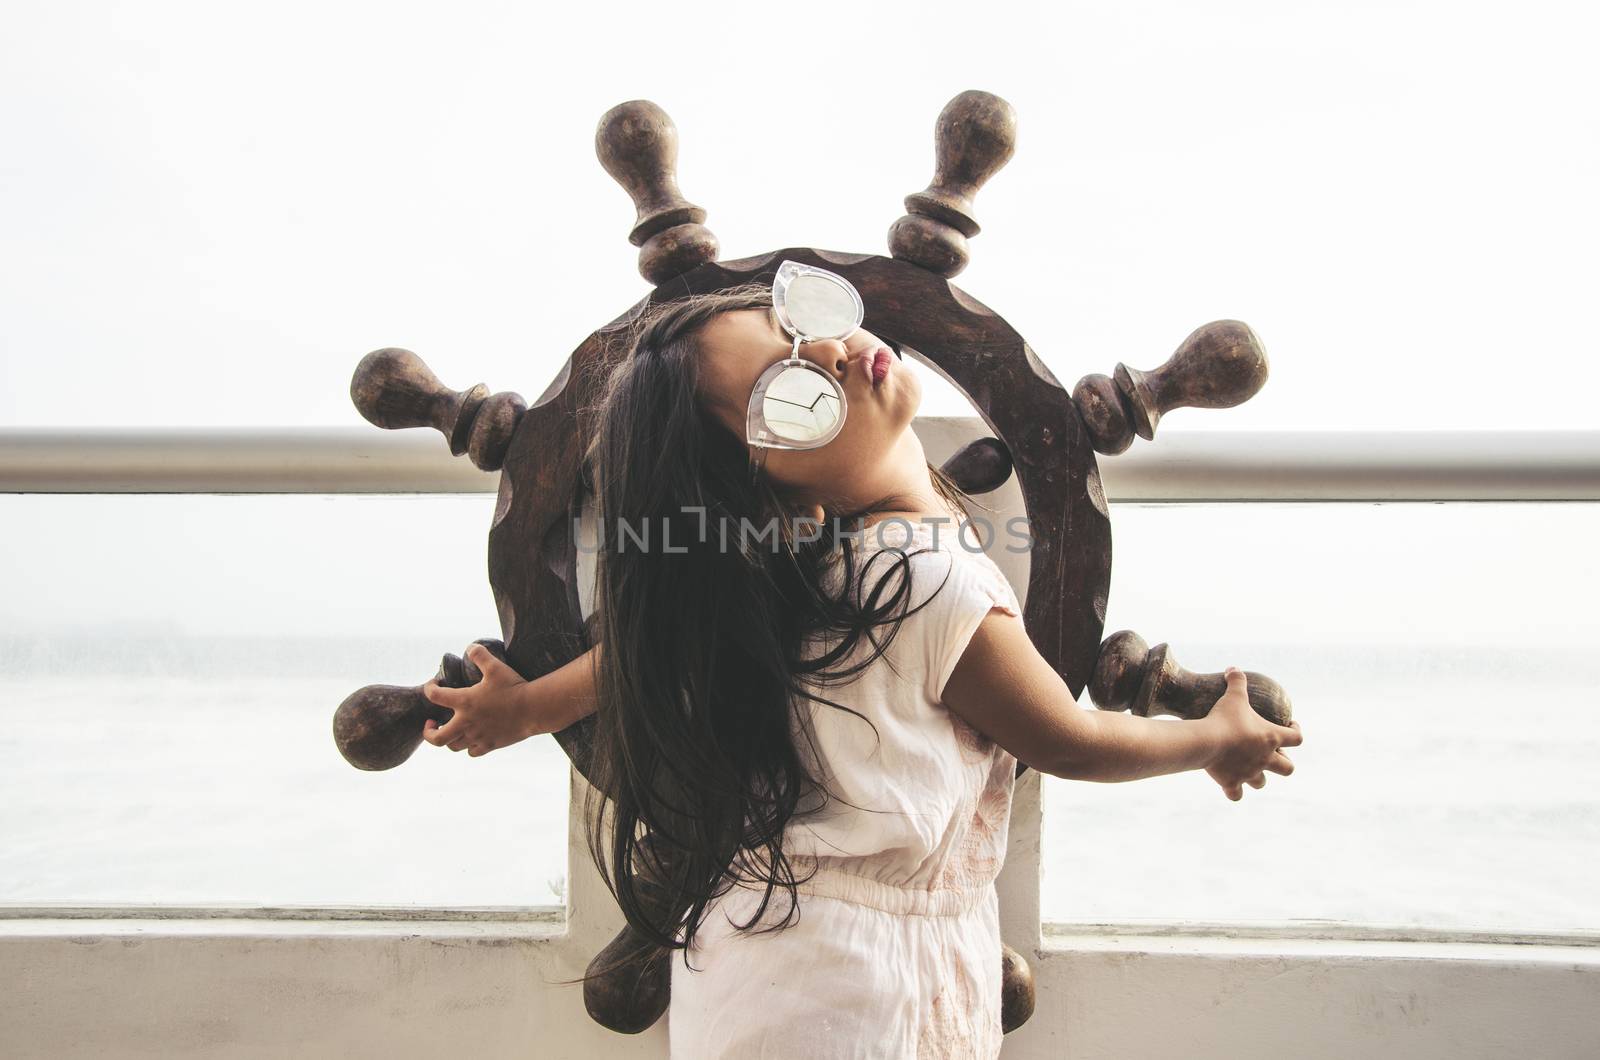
954	585
948	541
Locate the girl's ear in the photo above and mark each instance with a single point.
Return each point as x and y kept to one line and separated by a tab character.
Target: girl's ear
814	512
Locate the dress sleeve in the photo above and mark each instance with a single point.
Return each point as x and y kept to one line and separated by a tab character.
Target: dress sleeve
975	587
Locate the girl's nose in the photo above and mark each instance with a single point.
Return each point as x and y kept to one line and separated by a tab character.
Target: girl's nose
828	354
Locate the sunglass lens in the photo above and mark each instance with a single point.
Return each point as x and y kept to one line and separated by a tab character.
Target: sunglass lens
820	308
801	406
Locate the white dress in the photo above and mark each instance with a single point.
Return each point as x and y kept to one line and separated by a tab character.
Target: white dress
896	949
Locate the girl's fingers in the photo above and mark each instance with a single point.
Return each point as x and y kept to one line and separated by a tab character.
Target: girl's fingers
444	697
458	744
1289	735
1279	763
483	658
1258	781
434	734
445	734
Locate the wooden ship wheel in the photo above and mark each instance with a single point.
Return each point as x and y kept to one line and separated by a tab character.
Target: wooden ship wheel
1040	432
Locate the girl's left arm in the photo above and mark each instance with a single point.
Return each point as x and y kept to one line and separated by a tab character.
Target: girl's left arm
1005	689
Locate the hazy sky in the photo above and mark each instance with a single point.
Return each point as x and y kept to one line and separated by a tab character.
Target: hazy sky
403	566
210	212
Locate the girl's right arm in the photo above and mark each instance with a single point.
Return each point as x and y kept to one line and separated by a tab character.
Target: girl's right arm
503	709
1004	688
563	696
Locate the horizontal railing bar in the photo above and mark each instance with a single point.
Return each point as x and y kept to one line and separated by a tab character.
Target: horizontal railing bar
1358	466
541	914
1054	932
1415	465
1311	930
234	460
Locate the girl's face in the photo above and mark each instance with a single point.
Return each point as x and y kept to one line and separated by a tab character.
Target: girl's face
870	454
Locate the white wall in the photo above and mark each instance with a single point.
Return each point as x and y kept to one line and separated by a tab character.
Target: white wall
177	990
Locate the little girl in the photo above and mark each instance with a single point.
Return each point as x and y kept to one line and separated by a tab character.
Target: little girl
833	710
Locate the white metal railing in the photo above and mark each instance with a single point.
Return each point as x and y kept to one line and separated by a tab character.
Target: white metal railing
1177	466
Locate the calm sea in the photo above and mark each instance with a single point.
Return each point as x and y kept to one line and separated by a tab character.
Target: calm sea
1451	787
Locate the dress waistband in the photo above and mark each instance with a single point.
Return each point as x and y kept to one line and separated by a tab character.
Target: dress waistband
830	882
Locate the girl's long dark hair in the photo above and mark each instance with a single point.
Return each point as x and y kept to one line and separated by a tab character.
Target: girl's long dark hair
704	636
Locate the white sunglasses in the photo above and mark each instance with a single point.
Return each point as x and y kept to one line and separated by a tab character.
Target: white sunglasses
795	404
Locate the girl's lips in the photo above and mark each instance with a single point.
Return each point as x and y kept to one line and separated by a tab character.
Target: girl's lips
881	360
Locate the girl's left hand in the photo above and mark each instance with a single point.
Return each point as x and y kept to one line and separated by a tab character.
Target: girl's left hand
1249	746
488	715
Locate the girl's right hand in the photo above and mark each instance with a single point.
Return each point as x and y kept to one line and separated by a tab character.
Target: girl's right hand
489	715
1248	744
